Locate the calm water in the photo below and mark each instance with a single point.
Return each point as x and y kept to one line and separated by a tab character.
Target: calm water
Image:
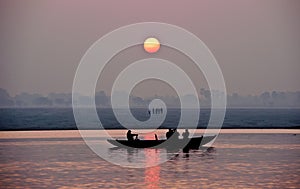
235	161
50	118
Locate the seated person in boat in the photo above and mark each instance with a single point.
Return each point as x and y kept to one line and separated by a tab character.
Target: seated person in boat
176	134
172	132
186	134
130	136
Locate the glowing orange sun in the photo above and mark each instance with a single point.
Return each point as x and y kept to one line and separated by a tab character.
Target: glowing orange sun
151	45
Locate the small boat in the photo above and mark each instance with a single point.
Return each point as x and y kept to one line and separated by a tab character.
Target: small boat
191	143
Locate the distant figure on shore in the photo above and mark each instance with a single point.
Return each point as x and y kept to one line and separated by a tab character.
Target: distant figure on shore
169	133
130	136
155	111
185	134
156	138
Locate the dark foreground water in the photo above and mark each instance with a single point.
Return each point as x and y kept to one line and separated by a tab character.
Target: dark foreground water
235	161
51	118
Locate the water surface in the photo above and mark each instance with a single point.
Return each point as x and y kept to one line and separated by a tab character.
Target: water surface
247	160
62	118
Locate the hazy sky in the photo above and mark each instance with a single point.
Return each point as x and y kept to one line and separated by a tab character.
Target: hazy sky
256	42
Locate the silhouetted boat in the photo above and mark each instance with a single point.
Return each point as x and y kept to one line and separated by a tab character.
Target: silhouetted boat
193	143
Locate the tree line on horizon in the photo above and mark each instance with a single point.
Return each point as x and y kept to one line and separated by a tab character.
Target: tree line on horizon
274	99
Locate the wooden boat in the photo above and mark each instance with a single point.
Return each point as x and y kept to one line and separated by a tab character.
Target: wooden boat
193	143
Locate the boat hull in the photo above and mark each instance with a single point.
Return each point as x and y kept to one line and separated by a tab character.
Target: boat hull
192	143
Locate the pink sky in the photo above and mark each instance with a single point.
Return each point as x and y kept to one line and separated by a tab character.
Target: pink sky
256	43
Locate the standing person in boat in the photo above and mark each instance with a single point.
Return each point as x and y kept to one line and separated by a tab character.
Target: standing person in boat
185	134
130	136
169	133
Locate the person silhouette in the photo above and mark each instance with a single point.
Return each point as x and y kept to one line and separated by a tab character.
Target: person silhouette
185	134
130	136
176	134
169	133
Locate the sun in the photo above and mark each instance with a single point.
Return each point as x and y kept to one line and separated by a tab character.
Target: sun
151	45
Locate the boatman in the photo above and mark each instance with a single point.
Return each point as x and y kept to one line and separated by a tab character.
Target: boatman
130	136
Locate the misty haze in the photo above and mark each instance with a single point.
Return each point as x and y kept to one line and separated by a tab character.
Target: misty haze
274	99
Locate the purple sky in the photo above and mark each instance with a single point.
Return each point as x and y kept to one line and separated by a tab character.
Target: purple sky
256	43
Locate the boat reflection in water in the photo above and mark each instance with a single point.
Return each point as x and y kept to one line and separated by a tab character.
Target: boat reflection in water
150	159
153	173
